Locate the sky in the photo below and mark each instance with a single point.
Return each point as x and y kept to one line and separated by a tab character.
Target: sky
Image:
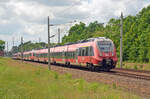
28	18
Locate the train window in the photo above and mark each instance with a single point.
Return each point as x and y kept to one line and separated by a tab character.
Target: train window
83	51
91	52
46	55
86	52
68	54
77	52
72	54
80	52
65	54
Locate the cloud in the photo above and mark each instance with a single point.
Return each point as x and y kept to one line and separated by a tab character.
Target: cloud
30	11
28	18
54	2
103	10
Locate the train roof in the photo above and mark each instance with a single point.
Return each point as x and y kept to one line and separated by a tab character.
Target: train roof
86	40
71	43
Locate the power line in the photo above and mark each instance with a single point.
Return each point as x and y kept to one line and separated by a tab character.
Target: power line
71	6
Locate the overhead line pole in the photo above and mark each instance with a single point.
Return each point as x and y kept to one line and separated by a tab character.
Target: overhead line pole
22	49
121	37
39	39
13	41
49	61
7	49
13	45
58	35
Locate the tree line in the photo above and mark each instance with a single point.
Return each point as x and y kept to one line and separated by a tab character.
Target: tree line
136	35
2	45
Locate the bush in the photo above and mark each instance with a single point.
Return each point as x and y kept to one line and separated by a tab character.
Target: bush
135	67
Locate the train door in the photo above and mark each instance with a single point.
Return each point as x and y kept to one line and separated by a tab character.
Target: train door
80	55
76	55
87	56
66	55
53	52
83	54
91	53
63	56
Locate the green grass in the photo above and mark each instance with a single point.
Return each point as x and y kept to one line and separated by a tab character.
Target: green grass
136	66
26	81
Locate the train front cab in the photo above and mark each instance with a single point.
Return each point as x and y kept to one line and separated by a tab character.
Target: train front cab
105	54
91	57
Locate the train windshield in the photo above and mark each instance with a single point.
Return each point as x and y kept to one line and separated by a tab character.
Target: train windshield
105	46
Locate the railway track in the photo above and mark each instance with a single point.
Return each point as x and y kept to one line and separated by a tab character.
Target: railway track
132	70
138	74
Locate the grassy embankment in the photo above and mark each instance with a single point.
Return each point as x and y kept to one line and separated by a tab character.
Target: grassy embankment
26	81
136	66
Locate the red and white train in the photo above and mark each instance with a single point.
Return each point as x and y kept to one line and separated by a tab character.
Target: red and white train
94	53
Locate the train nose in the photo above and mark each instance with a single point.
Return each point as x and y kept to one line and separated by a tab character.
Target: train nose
107	54
107	62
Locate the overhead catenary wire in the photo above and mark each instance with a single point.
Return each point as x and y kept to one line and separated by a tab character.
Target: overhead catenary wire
68	8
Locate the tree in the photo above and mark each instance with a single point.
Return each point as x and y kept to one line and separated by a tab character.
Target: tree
2	45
